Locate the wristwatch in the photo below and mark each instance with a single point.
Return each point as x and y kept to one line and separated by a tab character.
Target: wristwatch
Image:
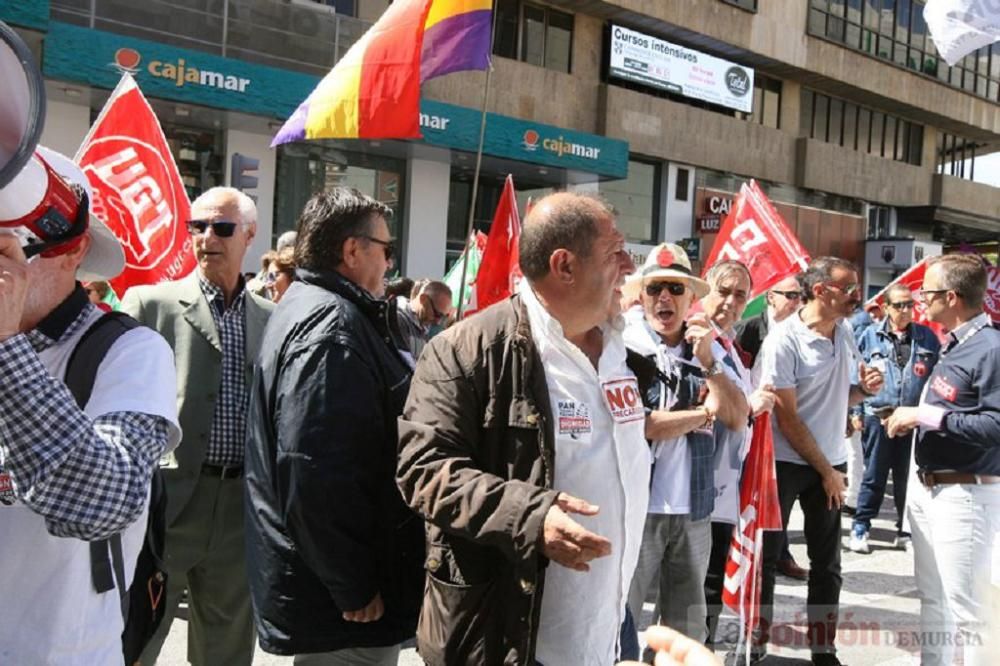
714	369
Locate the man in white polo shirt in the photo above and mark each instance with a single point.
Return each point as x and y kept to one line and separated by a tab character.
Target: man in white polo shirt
809	359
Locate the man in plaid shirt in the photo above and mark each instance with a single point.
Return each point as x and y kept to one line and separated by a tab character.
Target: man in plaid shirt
214	325
71	475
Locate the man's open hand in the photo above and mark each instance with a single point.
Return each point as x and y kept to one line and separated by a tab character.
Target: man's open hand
565	541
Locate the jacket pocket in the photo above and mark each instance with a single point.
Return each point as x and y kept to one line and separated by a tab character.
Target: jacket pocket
458	623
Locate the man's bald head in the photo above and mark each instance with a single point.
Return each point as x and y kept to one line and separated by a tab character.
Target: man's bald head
564	220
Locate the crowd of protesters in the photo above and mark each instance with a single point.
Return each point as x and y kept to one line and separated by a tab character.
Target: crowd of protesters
347	468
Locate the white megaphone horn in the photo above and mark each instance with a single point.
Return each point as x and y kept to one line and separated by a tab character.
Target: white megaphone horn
35	203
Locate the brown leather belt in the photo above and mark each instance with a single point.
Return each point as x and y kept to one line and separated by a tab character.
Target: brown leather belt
931	479
222	471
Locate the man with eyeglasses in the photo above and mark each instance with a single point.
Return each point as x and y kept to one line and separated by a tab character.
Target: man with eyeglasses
704	386
215	327
954	510
905	352
425	315
335	555
809	359
783	300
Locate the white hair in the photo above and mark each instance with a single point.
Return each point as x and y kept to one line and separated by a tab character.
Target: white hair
244	204
286	239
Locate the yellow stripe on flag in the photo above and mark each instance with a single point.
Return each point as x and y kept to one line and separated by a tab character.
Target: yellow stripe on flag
333	109
445	9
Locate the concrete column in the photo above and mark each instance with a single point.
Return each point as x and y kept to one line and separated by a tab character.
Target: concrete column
791	107
928	157
66	125
428	181
257	146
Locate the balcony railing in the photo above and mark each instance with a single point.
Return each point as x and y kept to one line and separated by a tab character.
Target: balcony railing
291	35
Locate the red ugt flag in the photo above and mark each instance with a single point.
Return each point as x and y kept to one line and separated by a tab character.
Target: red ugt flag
759	511
138	191
499	270
754	233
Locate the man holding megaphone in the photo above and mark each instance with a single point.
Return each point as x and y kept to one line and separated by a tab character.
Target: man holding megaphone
87	402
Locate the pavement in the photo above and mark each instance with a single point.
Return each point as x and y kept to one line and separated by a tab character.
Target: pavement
879	607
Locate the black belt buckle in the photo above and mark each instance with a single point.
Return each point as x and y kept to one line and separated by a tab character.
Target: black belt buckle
222	471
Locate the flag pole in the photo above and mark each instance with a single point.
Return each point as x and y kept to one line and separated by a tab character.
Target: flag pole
475	176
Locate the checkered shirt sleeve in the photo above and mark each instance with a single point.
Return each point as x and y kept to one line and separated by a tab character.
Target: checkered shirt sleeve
228	435
88	479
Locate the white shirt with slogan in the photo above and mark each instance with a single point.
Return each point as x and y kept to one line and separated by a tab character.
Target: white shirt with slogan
601	456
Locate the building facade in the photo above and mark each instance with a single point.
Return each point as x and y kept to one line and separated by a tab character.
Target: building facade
841	109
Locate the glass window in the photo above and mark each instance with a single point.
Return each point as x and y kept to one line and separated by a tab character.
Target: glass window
836	121
681	186
505	41
850	126
558	41
533	35
864	129
635	199
821	109
307	168
772	105
889	137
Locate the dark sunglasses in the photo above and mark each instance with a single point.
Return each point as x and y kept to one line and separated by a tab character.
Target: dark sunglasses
389	247
222	228
790	295
902	305
653	289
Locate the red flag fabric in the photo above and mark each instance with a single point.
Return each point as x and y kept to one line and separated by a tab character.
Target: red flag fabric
755	234
992	301
499	270
759	511
138	191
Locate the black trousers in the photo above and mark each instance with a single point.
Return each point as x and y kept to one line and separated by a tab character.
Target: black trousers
823	533
722	536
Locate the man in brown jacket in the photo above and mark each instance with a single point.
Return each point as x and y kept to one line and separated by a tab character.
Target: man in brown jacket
513	416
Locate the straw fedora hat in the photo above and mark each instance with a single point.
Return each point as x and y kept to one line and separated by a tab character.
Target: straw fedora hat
666	260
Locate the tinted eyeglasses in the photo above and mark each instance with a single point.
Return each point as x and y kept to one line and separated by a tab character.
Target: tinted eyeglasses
902	305
653	289
846	289
790	295
389	247
924	293
222	228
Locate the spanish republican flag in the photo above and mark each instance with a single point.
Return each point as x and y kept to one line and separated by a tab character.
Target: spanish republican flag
374	91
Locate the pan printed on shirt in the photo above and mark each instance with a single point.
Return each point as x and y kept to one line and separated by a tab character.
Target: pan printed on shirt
574	418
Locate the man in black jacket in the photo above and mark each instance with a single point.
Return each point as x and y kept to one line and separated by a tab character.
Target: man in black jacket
334	556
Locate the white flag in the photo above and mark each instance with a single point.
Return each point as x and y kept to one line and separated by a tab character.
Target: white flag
959	27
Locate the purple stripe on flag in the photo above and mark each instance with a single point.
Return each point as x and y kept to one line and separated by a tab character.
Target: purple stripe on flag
455	44
294	128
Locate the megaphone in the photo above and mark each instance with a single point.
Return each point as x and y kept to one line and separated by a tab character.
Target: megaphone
40	208
22	107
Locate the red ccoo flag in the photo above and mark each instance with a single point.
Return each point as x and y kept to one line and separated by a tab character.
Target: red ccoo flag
759	511
499	270
138	191
754	234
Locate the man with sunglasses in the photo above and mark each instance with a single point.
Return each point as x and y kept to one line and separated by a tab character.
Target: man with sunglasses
705	386
783	299
335	556
215	326
810	359
905	352
425	315
954	510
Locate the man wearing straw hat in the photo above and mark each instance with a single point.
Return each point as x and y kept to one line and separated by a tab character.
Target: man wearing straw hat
677	536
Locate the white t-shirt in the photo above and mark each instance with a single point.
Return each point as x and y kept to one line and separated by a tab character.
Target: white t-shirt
671	486
51	613
601	456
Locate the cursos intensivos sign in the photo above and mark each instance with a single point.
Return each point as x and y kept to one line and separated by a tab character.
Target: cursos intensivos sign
642	58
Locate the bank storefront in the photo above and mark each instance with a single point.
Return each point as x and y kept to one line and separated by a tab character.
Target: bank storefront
212	107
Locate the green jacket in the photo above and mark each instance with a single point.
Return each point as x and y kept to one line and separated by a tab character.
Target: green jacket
180	313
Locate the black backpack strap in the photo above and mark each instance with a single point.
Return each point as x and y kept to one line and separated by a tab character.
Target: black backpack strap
94	344
106	560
